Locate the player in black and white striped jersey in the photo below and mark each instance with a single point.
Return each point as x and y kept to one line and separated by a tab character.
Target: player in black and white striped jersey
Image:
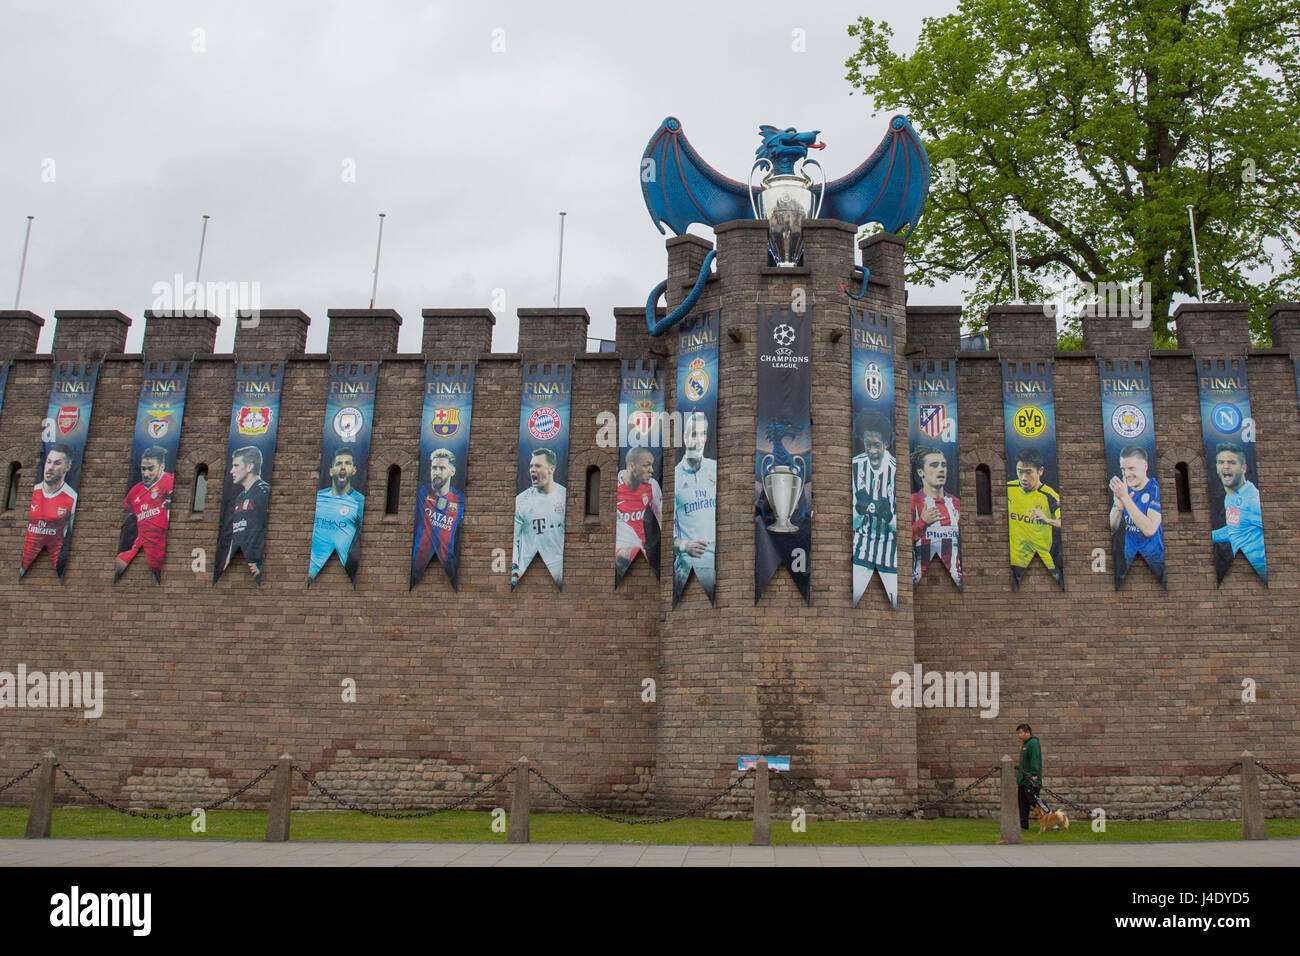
875	525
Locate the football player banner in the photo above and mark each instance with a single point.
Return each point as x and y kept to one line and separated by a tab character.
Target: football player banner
344	461
4	380
695	477
543	470
444	460
63	440
1033	504
250	457
1229	435
936	478
1128	424
783	449
875	525
151	478
639	510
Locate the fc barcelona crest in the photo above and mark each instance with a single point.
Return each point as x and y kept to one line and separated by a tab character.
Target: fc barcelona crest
68	417
445	422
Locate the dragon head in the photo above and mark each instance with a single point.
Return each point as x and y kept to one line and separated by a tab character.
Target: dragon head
785	147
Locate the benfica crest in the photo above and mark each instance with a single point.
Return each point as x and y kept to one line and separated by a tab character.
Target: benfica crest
160	422
253	421
445	422
68	417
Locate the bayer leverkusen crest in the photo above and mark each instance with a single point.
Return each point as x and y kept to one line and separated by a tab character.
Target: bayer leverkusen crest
253	420
68	417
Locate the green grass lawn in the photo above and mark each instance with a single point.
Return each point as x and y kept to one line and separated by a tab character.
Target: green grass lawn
475	827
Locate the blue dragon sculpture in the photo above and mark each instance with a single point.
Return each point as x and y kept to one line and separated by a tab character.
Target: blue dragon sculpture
680	188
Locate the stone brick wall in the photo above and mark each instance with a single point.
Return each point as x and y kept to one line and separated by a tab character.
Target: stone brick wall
1135	694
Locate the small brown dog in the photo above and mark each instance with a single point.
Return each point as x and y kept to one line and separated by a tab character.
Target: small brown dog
1046	820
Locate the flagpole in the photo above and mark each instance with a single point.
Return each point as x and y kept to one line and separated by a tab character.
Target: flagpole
1196	256
379	244
559	268
22	268
1015	262
203	238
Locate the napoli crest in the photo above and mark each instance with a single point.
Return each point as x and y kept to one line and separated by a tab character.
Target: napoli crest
1128	421
1226	418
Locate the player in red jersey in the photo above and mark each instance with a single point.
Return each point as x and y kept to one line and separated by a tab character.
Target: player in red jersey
50	517
438	510
147	506
935	515
637	491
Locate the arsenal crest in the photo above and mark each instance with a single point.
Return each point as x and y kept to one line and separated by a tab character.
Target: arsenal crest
68	417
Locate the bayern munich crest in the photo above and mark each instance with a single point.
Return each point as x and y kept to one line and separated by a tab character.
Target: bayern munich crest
544	423
1128	421
697	381
348	423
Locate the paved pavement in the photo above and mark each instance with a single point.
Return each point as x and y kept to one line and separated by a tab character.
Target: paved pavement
101	852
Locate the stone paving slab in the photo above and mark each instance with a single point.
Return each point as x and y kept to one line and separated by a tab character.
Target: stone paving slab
103	852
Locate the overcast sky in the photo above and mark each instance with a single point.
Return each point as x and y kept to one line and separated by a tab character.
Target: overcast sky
148	115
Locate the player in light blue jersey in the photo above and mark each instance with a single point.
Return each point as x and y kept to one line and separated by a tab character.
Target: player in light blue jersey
338	515
695	501
1243	527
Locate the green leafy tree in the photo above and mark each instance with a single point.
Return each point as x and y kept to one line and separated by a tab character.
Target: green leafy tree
1098	122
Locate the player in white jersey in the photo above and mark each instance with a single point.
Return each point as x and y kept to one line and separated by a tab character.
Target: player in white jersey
539	519
695	501
875	526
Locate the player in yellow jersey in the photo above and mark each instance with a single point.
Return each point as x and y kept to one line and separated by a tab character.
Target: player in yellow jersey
1034	517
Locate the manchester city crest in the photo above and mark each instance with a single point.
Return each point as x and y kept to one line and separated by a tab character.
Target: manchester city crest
348	423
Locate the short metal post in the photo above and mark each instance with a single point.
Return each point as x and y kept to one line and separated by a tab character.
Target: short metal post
521	806
1252	806
41	814
762	806
1010	803
277	814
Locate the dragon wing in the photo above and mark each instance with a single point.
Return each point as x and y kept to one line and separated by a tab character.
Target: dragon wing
889	188
681	188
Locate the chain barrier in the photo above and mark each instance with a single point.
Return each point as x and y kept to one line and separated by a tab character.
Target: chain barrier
1150	814
646	820
21	777
165	814
1262	766
396	814
791	787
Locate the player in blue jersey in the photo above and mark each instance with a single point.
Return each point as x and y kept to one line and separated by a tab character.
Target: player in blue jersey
1135	504
338	515
1243	527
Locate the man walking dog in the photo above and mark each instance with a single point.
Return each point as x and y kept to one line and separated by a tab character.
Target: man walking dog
1029	772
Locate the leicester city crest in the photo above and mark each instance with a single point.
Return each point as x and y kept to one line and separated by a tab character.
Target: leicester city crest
1128	421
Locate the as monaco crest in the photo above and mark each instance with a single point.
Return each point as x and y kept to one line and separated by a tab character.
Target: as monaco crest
68	417
253	421
642	420
445	422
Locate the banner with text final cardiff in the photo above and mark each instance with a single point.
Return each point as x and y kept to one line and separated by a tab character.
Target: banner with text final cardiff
639	510
344	466
1228	432
444	463
936	479
150	481
875	469
58	476
541	477
695	478
1033	504
1128	423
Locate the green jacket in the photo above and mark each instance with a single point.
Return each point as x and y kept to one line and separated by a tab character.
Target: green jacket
1031	762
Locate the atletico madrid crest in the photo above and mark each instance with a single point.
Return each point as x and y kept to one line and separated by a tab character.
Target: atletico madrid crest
445	422
933	418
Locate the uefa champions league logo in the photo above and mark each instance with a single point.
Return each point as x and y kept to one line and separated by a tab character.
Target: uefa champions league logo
1128	421
783	335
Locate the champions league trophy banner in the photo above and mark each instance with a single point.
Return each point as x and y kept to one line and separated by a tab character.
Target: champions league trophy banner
542	471
151	479
639	513
444	463
344	464
783	449
63	440
250	455
875	525
1033	505
1229	435
936	477
1128	423
695	479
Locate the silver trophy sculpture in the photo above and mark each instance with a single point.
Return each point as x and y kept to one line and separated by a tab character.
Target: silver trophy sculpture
786	202
783	485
